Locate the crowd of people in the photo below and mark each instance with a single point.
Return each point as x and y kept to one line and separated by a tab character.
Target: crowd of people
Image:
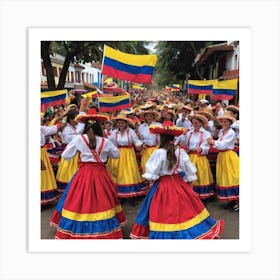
168	153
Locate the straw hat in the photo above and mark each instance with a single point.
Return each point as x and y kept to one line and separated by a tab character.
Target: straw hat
233	108
167	130
148	106
187	107
123	117
170	112
208	113
226	115
95	117
128	112
200	117
155	113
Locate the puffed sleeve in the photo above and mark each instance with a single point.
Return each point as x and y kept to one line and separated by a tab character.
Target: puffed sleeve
71	148
227	142
110	150
136	141
154	165
186	166
80	127
205	146
49	130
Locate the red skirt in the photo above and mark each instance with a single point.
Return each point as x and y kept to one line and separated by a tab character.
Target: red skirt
89	207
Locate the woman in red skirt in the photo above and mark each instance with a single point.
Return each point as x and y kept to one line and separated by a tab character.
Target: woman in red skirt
171	209
89	207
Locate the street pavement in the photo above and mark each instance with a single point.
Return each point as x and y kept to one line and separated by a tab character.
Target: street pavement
214	207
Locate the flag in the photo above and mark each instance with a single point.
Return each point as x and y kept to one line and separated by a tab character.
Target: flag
224	90
201	86
90	95
128	67
52	98
113	104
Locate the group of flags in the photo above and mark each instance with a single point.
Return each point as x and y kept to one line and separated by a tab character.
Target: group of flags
219	90
137	69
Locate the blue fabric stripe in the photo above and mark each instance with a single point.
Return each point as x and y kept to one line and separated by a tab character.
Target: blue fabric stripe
105	104
209	87
130	189
225	192
89	227
191	233
53	99
203	189
143	214
49	195
224	91
128	68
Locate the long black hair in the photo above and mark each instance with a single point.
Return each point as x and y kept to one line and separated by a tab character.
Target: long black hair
92	129
167	143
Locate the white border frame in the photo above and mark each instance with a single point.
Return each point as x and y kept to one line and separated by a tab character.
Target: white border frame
36	35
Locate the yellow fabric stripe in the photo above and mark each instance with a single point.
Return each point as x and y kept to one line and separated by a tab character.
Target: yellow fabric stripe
182	226
226	84
45	94
91	217
113	99
202	82
131	59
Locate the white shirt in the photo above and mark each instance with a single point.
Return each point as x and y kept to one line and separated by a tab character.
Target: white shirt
69	132
235	127
78	145
225	142
186	123
46	131
129	137
156	165
195	140
150	139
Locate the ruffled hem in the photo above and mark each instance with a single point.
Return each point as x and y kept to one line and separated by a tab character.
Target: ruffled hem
61	186
114	234
127	191
139	232
55	218
121	218
49	196
204	191
227	193
208	229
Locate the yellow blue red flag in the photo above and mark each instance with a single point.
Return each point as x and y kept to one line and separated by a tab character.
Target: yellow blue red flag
128	67
52	98
113	103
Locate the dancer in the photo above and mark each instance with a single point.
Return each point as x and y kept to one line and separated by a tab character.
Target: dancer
89	207
227	168
171	209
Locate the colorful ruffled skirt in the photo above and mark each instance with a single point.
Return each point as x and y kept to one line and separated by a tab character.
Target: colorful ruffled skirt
125	173
204	185
172	210
49	192
89	207
66	170
227	176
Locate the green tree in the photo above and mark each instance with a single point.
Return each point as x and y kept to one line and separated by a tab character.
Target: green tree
81	52
175	60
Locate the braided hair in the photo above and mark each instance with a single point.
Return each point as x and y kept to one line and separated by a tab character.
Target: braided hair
92	129
166	142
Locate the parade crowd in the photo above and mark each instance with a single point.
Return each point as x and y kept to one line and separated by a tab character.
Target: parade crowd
166	152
